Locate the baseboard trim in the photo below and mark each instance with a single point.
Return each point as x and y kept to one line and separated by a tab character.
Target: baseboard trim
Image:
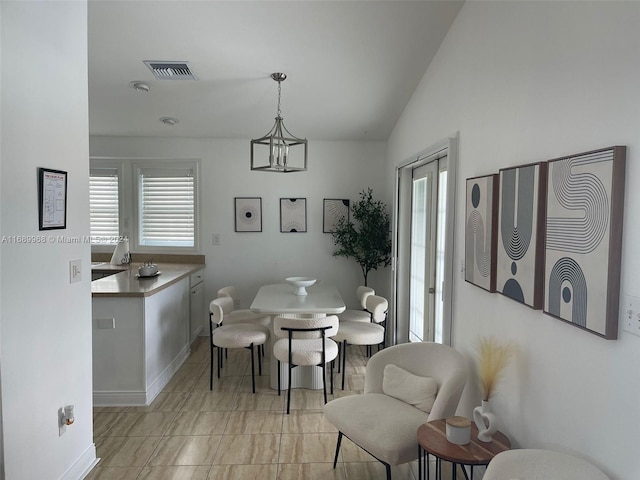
139	398
83	465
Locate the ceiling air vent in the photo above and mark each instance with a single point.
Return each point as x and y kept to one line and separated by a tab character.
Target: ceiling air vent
170	70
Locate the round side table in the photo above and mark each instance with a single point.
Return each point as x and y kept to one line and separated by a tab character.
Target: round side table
432	439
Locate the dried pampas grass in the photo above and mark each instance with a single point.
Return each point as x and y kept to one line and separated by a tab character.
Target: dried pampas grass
493	359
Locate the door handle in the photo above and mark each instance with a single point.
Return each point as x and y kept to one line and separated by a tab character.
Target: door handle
432	290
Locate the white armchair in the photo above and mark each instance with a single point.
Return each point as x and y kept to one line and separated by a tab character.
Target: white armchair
380	421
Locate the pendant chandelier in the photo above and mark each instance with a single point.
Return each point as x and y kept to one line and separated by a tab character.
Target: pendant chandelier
284	152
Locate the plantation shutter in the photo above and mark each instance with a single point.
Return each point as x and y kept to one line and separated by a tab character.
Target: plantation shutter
103	206
167	213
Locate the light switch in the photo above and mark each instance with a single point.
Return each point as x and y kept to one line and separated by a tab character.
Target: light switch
75	271
630	314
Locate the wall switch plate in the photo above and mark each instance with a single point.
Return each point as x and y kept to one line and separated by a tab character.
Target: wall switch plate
75	271
62	426
630	314
215	239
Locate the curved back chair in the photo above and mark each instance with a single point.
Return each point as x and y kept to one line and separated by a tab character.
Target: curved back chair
243	315
363	315
429	375
305	341
361	333
534	464
240	335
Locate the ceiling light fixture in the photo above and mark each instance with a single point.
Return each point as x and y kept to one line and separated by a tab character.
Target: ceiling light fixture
140	86
169	121
282	156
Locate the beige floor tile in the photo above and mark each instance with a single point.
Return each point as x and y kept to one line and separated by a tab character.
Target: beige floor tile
376	471
125	451
175	473
252	422
147	424
308	448
185	378
259	401
103	422
307	421
208	401
199	351
198	423
263	383
248	449
229	383
164	402
352	453
109	409
311	471
243	472
113	473
186	450
303	399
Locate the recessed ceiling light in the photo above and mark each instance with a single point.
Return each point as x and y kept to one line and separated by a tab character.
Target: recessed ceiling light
140	86
169	121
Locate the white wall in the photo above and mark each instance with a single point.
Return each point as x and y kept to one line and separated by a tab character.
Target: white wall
525	82
248	260
46	321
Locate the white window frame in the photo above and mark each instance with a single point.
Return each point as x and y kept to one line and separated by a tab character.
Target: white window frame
128	169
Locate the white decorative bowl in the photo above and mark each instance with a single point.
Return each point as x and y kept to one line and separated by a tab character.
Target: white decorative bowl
301	283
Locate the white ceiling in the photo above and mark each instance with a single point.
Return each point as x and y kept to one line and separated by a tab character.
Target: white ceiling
351	65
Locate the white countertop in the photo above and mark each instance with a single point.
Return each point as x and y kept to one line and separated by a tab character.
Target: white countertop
279	298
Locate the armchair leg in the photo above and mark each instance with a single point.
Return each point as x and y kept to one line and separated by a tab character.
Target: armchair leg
335	459
388	468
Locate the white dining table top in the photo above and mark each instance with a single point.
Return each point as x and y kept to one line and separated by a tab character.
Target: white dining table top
280	298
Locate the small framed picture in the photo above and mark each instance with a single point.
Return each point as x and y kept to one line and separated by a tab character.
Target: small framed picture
248	214
334	209
293	215
52	199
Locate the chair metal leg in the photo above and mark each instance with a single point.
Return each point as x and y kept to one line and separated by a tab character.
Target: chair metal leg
219	360
335	460
259	361
211	368
344	361
289	390
388	468
324	381
278	377
331	378
253	370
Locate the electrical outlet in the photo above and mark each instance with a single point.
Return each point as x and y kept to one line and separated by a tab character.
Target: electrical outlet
630	314
75	271
215	239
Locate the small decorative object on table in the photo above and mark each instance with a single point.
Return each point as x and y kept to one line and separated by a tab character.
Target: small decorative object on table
148	269
301	283
458	430
493	359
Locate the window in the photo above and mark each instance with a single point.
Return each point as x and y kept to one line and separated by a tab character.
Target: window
104	212
166	213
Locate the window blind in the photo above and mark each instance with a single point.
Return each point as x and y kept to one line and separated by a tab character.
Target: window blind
103	206
167	207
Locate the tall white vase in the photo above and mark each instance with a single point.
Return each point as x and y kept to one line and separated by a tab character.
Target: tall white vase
485	420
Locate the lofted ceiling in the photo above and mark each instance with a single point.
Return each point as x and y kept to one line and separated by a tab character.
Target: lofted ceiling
351	65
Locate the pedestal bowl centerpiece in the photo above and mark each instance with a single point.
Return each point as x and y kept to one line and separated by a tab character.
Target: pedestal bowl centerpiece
301	283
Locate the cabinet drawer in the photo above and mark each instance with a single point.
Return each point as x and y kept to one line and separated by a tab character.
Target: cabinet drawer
196	278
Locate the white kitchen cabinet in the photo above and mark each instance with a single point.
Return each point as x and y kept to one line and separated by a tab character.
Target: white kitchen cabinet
196	305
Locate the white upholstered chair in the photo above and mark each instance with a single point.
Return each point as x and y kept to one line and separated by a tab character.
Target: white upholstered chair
239	335
363	315
361	333
305	341
534	464
243	315
405	386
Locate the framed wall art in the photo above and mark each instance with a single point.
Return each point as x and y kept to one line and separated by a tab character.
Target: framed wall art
293	215
52	199
584	239
521	215
481	231
334	209
248	214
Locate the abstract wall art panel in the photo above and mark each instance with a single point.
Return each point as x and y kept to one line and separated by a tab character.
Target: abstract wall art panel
293	215
333	210
480	232
519	271
248	214
584	239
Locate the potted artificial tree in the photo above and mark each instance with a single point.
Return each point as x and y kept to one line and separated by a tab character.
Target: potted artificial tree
367	239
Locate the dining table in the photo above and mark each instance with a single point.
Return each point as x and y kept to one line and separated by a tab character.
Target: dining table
280	298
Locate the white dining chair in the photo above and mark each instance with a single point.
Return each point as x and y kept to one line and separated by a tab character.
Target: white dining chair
243	315
305	341
239	335
352	315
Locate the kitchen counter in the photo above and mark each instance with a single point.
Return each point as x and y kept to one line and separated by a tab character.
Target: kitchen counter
127	284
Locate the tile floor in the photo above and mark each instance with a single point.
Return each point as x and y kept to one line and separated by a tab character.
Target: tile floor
190	432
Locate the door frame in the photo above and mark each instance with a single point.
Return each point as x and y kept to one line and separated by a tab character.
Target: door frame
398	318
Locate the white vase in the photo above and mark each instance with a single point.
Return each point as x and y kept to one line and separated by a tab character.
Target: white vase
485	420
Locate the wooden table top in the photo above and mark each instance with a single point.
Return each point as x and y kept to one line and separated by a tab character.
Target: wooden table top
432	437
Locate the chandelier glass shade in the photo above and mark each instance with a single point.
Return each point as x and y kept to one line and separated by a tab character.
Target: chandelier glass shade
279	150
